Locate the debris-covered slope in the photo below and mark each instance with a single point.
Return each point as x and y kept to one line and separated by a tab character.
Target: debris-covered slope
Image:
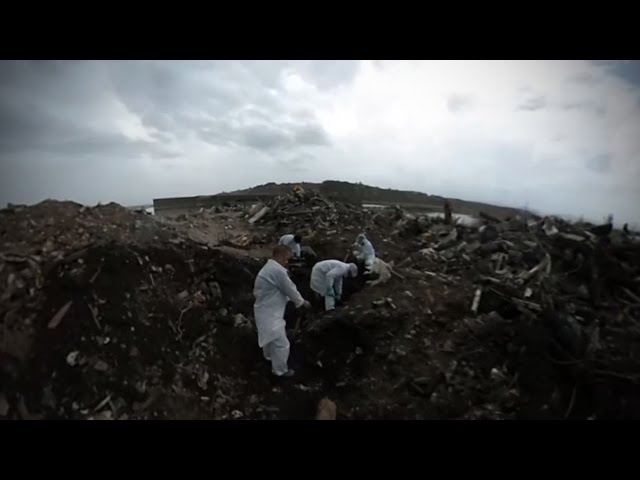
107	313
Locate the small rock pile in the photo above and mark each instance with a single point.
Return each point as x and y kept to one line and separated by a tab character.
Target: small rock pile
561	304
307	210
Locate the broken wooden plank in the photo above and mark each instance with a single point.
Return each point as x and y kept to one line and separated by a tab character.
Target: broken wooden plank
301	212
524	303
103	403
77	253
572	237
488	279
94	314
476	301
631	295
259	215
95	275
545	265
57	318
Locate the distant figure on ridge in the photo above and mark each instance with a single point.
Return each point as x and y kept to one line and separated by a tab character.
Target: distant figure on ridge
448	216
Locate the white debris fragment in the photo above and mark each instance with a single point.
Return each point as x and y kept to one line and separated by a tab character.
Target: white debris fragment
476	300
203	379
72	358
497	375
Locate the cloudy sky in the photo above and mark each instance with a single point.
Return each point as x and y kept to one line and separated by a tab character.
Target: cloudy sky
556	136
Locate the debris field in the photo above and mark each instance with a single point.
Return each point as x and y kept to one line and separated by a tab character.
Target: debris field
109	313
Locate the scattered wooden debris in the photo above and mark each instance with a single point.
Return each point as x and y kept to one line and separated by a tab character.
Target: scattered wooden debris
57	318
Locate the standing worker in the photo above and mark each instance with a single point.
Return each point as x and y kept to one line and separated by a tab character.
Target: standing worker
298	192
326	280
273	289
292	242
364	252
448	215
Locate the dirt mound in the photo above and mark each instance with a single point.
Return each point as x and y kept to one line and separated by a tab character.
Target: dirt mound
141	327
51	228
132	329
36	240
523	318
307	209
516	319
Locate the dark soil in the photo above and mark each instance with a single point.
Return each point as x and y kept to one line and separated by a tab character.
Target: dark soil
161	327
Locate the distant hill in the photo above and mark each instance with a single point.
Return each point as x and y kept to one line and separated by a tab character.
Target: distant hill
383	196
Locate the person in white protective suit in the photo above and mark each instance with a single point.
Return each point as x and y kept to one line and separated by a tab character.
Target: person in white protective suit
326	280
272	290
364	252
292	242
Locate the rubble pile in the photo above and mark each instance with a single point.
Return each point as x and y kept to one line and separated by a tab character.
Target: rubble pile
106	315
36	239
552	314
218	225
542	312
308	209
50	228
110	314
141	332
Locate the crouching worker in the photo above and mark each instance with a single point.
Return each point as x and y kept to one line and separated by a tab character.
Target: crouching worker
364	252
272	290
326	280
292	242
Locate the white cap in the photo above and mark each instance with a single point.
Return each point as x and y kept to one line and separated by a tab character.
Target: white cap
353	269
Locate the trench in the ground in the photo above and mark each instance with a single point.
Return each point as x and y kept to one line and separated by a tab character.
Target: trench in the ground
321	359
237	354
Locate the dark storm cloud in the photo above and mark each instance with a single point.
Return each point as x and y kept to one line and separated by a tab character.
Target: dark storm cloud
225	104
51	104
262	136
628	70
36	129
270	137
256	127
20	127
87	129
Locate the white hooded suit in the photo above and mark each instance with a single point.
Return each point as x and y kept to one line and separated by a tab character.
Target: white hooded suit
326	279
272	290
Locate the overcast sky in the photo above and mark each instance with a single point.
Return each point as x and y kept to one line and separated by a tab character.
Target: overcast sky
557	136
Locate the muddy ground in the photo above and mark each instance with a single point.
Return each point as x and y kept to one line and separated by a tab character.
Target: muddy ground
110	314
